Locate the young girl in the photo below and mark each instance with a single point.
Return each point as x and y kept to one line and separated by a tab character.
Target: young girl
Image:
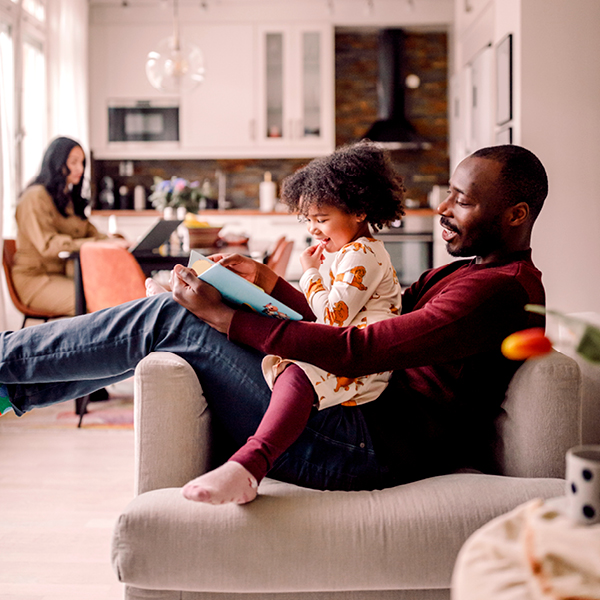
340	196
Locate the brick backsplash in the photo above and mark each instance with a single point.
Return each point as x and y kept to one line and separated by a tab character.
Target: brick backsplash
356	109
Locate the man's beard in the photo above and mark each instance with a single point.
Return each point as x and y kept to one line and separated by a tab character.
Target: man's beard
484	243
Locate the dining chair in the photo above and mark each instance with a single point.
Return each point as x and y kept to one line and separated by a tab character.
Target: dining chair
280	257
9	249
111	276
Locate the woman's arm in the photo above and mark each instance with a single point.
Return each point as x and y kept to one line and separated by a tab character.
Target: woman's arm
36	216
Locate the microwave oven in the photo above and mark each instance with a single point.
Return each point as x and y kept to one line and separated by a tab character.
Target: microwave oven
143	121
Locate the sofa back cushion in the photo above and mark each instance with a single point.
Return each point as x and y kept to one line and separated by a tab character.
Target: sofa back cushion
541	418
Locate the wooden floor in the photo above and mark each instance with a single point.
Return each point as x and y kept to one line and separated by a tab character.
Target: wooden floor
61	490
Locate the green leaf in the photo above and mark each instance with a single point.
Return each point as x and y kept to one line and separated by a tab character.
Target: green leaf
589	344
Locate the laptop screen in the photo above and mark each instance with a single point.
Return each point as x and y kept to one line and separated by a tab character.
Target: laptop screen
158	234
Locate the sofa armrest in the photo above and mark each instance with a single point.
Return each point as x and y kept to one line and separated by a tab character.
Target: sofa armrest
172	423
542	418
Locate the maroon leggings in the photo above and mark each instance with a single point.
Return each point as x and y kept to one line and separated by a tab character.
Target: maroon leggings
286	417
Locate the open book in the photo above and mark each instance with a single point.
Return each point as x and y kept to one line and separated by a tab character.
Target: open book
238	290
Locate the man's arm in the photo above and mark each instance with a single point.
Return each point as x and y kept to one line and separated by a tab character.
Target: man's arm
472	316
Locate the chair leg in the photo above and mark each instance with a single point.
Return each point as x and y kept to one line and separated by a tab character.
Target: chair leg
81	407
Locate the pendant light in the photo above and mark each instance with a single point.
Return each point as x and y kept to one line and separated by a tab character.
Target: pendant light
175	66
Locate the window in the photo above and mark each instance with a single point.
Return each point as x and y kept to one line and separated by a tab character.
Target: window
23	108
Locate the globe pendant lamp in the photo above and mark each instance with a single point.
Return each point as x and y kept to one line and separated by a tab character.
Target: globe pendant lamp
175	66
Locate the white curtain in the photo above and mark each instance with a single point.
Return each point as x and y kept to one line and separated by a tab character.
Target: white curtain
67	45
6	158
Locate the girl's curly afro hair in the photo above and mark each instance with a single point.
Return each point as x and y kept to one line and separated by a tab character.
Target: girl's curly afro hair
358	179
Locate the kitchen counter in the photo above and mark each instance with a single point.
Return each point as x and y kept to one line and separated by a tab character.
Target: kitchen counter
235	212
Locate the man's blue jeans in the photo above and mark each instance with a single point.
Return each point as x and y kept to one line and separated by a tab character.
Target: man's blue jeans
69	358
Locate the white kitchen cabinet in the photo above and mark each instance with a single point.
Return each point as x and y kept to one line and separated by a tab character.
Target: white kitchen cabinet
295	89
218	117
117	74
267	92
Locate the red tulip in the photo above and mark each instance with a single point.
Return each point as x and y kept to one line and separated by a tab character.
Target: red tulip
525	344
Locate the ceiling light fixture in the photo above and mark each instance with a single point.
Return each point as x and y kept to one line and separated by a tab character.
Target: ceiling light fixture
175	66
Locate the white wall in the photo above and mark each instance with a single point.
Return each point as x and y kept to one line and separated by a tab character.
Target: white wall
556	114
560	121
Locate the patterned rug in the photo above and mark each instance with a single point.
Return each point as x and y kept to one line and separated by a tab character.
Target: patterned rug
115	413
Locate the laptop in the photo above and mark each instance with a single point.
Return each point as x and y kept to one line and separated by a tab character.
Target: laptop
151	241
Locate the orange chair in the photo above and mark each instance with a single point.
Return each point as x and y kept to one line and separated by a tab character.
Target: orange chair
279	259
110	274
8	260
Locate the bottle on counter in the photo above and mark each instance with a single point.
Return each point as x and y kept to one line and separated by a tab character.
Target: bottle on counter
267	194
139	197
107	194
124	197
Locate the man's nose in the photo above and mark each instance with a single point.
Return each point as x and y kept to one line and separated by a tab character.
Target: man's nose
443	205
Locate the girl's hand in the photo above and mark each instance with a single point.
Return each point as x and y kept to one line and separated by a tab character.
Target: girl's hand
249	269
244	266
312	257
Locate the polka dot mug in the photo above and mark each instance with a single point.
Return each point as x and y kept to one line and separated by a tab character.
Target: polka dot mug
583	484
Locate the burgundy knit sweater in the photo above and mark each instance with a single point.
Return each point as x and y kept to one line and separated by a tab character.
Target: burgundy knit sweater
438	411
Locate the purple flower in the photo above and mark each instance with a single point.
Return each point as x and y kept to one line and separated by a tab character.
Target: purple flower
179	184
164	186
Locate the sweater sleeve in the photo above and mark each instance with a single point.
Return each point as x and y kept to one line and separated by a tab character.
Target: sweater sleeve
36	216
471	315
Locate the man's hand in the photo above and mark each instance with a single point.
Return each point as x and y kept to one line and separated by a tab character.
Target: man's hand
312	257
200	298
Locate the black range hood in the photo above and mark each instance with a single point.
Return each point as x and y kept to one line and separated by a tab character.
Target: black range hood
393	131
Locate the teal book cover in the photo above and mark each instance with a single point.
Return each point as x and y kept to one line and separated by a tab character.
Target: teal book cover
238	290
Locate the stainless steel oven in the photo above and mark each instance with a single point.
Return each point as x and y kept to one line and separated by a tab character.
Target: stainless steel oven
411	250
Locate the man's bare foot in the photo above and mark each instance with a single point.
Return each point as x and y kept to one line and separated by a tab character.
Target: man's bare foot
153	288
228	483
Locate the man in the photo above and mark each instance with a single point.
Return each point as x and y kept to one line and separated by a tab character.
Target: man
449	375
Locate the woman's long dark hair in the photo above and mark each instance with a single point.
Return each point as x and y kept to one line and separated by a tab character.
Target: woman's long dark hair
53	176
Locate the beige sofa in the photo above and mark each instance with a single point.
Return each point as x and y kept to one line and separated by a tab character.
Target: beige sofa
298	544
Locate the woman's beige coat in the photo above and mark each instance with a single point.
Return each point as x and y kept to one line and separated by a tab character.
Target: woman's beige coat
42	279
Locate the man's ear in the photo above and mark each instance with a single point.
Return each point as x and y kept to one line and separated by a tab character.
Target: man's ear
518	214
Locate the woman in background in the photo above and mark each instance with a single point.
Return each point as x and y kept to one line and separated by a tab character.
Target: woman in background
50	219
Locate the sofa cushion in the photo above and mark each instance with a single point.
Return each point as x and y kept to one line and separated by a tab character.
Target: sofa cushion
345	540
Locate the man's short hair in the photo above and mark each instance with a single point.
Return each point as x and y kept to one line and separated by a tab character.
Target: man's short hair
523	176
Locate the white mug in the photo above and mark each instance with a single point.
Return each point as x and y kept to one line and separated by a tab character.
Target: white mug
583	484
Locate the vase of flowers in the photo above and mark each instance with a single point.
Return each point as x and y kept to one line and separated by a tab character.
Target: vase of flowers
176	192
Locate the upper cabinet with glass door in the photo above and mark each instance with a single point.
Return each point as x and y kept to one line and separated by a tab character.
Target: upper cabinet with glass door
296	90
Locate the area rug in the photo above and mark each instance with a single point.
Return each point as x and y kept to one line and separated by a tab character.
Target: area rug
114	413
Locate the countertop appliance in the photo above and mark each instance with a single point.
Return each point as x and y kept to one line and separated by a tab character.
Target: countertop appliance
410	246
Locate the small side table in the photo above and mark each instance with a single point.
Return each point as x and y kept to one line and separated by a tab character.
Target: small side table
534	552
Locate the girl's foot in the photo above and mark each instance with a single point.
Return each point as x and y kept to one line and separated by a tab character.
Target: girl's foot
230	482
153	288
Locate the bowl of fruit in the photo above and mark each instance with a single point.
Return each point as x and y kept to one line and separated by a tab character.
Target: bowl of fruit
201	233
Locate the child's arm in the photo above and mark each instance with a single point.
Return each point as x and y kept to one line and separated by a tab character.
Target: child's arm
357	277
